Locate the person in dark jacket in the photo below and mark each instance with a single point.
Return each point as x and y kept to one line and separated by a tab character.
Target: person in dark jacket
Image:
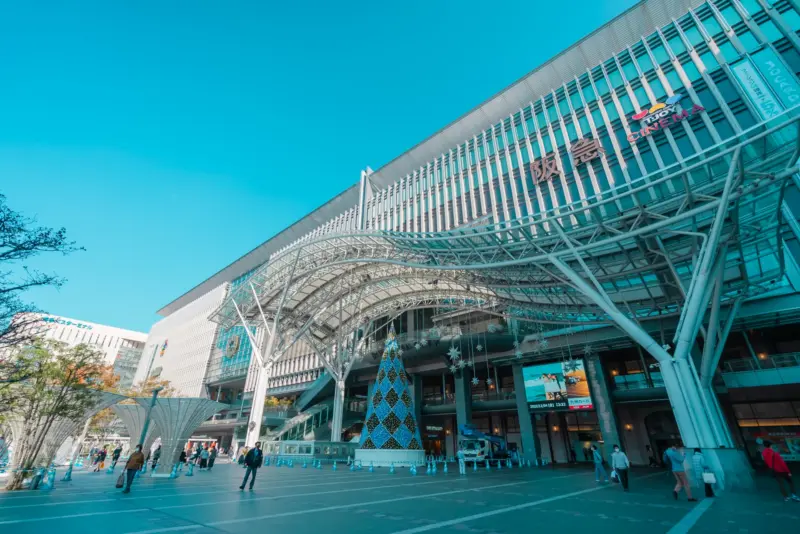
156	456
212	455
182	460
115	455
134	463
253	461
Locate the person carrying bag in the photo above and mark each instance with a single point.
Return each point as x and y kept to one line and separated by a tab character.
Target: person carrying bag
620	465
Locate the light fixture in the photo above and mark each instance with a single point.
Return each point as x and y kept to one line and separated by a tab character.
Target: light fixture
614	372
555	428
628	427
762	355
496	430
447	431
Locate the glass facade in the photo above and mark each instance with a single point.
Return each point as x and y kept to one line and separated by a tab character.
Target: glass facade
501	173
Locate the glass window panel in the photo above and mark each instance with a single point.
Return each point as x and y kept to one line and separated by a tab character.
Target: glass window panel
575	99
588	92
728	51
630	71
615	78
657	88
660	53
644	62
712	26
602	86
692	34
749	41
691	71
771	31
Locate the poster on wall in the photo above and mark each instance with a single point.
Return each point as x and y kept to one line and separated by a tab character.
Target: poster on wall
557	386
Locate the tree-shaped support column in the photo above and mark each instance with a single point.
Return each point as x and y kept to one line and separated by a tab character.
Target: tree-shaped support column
177	418
133	416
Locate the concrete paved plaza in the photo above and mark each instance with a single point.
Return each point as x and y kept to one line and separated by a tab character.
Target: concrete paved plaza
301	501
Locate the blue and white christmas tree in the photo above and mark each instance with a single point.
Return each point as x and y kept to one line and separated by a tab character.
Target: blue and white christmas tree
390	422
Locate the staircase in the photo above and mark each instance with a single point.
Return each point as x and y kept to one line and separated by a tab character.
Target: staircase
303	425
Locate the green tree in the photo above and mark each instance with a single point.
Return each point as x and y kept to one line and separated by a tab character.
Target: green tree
20	240
60	382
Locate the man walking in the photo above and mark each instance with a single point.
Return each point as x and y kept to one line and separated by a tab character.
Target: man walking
620	464
115	455
212	455
253	461
675	460
134	464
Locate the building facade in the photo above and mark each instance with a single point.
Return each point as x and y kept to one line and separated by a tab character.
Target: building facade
121	348
653	91
178	347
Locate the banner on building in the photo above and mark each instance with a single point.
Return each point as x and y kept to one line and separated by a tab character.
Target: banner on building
557	386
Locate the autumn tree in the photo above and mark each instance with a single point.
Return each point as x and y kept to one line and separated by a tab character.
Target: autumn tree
20	240
146	387
61	383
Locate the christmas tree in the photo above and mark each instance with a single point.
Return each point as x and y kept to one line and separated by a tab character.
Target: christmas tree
390	422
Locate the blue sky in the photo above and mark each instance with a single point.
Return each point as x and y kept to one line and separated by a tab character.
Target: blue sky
170	138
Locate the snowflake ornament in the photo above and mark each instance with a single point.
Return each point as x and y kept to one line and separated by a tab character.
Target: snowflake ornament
518	354
479	347
570	366
461	364
434	332
417	346
516	344
400	352
424	342
475	381
454	353
588	350
543	344
469	364
492	328
453	369
489	381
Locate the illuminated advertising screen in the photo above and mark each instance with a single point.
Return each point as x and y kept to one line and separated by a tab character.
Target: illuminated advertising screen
557	386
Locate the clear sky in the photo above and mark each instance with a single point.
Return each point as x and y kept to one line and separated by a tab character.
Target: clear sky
170	138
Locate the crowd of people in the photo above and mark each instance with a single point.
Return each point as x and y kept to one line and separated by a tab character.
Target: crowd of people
202	455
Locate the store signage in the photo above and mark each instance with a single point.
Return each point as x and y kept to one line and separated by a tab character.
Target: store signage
65	322
661	116
434	428
754	86
778	77
557	386
232	346
585	150
544	168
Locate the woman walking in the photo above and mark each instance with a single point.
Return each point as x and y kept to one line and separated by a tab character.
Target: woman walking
675	460
212	455
599	470
203	458
620	464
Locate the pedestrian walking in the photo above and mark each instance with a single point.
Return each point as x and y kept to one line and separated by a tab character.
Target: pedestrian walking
212	455
101	460
651	458
204	457
599	470
182	460
253	461
462	463
135	463
157	456
115	455
699	468
674	460
620	464
779	470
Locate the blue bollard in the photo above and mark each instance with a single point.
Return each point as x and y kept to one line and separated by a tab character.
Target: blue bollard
68	474
499	465
144	468
371	468
391	468
445	468
334	465
174	473
488	468
190	472
305	465
353	466
153	471
110	469
475	465
509	464
413	470
266	461
49	480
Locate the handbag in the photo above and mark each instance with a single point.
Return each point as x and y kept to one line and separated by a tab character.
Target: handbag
709	478
614	476
121	480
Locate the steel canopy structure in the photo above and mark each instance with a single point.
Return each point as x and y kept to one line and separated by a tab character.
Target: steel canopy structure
704	232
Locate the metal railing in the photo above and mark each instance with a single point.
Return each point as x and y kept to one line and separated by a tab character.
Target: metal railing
775	361
638	381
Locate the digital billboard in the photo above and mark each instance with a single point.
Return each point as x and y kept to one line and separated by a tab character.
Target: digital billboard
557	386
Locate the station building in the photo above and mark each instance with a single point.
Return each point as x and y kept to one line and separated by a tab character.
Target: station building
604	252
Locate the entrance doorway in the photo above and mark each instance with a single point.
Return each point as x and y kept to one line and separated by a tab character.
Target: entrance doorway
662	429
